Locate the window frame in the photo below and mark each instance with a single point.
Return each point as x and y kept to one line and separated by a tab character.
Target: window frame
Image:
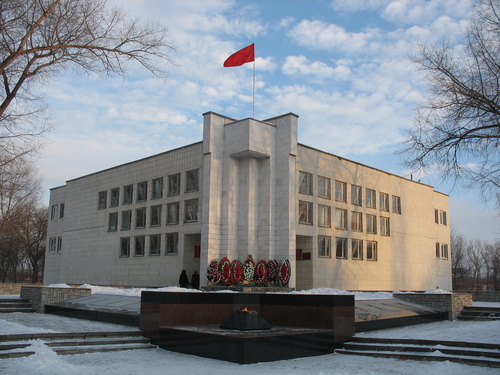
444	251
324	187
172	243
385	226
195	181
356	250
343	249
174	184
126	241
305	183
126	220
157	192
188	202
324	216
308	212
383	199
371	250
396	204
177	210
114	199
59	244
343	218
113	222
356	225
138	240
356	195
128	194
158	244
61	210
53	212
52	244
371	198
152	210
340	191
140	214
102	200
324	247
371	224
142	191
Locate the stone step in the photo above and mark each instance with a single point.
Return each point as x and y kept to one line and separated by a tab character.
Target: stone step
67	335
7	300
99	348
16	309
482	308
478	318
10	305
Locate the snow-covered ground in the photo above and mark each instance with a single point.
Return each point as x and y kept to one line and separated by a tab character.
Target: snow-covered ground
158	361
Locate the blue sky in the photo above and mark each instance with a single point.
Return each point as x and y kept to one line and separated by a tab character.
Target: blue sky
342	66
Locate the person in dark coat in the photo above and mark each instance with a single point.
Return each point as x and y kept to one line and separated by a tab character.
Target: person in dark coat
195	280
183	279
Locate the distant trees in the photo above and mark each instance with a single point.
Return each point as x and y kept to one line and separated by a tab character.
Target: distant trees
457	130
475	264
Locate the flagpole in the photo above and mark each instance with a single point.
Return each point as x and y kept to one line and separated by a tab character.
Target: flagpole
253	91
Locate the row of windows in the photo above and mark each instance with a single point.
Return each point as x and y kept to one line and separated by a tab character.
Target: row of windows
173	188
341	222
441	250
57	211
324	191
55	244
341	248
155	245
155	216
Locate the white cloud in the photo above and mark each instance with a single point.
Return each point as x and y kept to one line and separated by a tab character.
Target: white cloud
357	5
300	65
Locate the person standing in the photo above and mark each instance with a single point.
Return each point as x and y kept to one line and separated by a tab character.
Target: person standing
183	279
195	280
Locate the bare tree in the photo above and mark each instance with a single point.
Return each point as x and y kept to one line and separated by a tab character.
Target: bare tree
460	269
457	130
40	38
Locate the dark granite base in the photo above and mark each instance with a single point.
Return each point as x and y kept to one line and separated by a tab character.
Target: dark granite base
246	347
100	316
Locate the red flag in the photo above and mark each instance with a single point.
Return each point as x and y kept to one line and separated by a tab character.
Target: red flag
241	57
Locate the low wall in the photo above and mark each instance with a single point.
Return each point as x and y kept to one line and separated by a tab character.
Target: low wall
486	296
451	303
9	289
39	296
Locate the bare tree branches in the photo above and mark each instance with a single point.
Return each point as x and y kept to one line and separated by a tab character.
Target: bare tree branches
40	38
457	130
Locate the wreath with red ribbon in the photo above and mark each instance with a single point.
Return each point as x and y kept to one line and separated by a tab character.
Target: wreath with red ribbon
213	275
272	271
225	271
284	272
261	272
237	275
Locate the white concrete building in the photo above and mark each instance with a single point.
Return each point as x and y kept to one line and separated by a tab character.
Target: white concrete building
249	188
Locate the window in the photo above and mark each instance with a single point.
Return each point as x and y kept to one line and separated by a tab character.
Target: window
154	244
438	250
305	183
192	210
305	212
324	187
140	217
371	250
125	246
192	181
103	196
371	198
356	195
324	216
340	191
174	184
113	222
384	201
61	210
115	196
385	229
357	249
444	251
126	219
52	245
341	248
440	217
324	245
158	188
142	191
128	192
396	204
173	213
171	243
53	212
357	221
139	246
340	218
155	216
59	244
371	224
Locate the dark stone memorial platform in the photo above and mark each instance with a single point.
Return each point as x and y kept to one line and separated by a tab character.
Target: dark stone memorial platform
298	325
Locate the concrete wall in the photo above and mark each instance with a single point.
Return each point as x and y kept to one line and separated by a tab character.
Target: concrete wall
40	296
12	289
452	303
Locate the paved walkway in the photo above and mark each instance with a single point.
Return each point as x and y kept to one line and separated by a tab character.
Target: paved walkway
130	305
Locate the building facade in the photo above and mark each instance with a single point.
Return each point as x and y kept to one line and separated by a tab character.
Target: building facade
249	188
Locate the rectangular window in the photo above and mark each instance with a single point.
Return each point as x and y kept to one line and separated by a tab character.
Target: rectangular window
356	195
340	218
305	212
341	248
140	217
52	245
444	251
124	246
357	221
142	191
155	244
126	220
442	218
340	191
371	198
324	187
324	216
53	212
173	213
158	188
174	184
384	202
59	244
191	210
371	224
385	229
61	210
103	196
371	250
115	196
324	245
305	183
139	246
192	180
172	240
357	249
438	250
155	216
128	192
113	222
396	204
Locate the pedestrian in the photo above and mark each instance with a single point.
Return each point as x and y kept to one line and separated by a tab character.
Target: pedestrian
183	279
195	280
